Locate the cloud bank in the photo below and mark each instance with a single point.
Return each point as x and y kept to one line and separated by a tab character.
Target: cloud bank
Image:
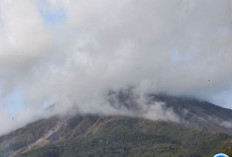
72	52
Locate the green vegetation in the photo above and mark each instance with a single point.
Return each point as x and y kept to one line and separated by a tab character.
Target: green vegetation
94	136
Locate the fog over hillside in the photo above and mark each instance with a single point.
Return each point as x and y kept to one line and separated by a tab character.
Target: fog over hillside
72	53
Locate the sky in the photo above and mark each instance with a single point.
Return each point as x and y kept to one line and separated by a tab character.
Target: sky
71	53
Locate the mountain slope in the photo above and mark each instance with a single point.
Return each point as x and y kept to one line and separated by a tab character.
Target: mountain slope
199	114
112	136
199	133
188	111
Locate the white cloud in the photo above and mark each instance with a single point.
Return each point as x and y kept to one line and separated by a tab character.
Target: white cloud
174	46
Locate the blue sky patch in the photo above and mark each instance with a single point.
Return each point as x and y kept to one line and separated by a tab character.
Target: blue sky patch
15	103
53	18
